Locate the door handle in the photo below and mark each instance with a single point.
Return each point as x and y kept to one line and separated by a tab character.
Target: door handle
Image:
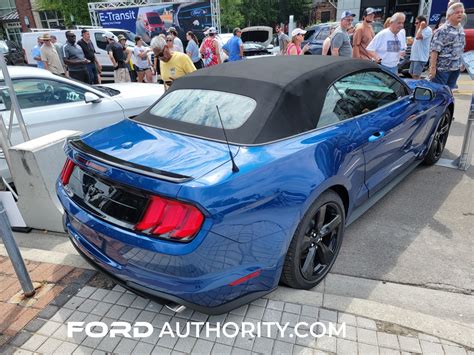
375	136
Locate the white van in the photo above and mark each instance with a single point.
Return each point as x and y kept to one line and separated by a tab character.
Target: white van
29	40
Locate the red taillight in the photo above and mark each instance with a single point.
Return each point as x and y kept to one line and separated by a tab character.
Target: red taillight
67	171
170	219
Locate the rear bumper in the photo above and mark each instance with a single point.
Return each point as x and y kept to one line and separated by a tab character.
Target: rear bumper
163	298
198	278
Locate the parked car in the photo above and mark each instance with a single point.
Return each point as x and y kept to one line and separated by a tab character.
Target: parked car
257	41
14	54
51	103
163	205
315	36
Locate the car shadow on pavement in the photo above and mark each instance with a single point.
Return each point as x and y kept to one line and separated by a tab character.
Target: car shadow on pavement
418	234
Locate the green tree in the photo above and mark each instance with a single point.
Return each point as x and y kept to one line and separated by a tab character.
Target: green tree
270	12
78	9
231	15
300	9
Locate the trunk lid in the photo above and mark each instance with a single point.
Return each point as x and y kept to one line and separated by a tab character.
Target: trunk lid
262	35
141	149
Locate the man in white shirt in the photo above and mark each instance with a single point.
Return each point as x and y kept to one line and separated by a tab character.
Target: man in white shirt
420	50
177	43
388	46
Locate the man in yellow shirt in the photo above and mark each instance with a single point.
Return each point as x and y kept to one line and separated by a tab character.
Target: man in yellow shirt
173	65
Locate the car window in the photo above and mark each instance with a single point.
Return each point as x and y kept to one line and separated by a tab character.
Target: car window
40	92
357	94
323	34
309	34
100	40
199	107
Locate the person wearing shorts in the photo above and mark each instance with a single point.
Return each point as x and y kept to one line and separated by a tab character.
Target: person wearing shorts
420	49
142	61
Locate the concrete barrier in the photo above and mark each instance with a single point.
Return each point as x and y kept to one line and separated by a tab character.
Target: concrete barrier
36	165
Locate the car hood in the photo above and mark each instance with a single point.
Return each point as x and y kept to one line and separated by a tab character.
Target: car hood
142	145
257	34
136	95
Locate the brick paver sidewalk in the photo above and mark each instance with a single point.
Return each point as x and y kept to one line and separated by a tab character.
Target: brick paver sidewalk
57	281
100	300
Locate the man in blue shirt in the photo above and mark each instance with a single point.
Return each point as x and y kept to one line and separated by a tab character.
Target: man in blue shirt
36	53
420	50
234	48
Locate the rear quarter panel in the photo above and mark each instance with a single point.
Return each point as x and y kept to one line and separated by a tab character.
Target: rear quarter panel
278	182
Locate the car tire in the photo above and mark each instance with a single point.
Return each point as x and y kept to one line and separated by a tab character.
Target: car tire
316	242
439	141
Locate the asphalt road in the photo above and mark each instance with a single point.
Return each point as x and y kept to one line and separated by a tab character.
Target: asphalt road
421	233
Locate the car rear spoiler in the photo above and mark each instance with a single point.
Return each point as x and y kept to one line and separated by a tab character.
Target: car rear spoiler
78	145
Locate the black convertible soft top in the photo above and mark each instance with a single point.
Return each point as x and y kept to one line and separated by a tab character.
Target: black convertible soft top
289	91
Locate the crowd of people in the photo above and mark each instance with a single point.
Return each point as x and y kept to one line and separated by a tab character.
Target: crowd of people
76	60
441	48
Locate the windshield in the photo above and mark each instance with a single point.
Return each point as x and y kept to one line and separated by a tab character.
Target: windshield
198	107
308	34
154	20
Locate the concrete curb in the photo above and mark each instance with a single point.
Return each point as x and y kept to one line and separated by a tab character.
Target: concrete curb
445	329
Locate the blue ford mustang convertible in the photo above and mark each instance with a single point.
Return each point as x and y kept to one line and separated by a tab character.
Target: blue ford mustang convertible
246	174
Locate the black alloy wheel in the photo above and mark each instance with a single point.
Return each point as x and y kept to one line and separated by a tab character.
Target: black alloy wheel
439	141
316	243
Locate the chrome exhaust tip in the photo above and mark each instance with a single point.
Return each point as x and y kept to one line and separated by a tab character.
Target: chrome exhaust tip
174	307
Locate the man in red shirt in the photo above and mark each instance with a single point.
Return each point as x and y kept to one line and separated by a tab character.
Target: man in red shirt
363	34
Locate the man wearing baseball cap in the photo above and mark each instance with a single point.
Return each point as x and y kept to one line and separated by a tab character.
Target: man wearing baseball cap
234	47
340	42
118	58
363	34
177	43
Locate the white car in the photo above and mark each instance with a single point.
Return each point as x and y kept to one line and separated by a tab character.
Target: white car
257	40
50	103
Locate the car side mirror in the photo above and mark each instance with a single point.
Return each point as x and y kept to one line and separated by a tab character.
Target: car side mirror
423	94
90	97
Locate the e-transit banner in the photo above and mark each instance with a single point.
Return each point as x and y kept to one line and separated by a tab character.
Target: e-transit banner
149	21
